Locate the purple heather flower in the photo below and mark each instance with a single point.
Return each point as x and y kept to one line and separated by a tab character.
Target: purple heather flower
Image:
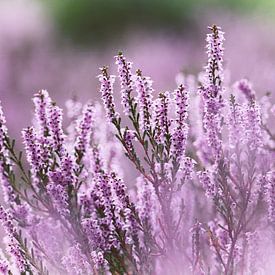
42	103
59	197
129	137
123	216
207	184
65	174
6	220
102	200
146	202
161	120
67	170
272	110
9	195
271	195
187	168
252	125
144	91
98	259
196	231
211	92
44	151
15	251
75	262
31	147
104	139
84	128
4	265
13	245
180	132
95	231
126	81
262	185
119	192
3	130
97	161
106	89
215	51
245	87
235	125
245	123
252	239
55	128
212	123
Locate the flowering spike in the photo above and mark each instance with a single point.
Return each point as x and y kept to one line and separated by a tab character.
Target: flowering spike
271	196
106	89
215	51
55	127
31	147
162	122
207	184
3	129
144	91
180	131
59	196
84	128
147	201
42	103
245	87
126	81
13	245
211	93
252	125
4	265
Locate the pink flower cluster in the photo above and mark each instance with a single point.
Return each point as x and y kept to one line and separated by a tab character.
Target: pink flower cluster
200	199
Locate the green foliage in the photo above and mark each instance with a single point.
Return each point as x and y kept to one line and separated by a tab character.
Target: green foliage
93	22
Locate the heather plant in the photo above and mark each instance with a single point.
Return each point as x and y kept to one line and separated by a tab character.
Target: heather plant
203	201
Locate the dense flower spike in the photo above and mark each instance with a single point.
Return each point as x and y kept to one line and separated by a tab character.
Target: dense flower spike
245	87
207	184
9	195
3	129
211	92
129	137
161	120
212	124
235	123
84	128
252	125
59	197
204	195
271	195
126	81
42	103
215	50
106	89
147	201
31	147
55	128
181	128
4	265
144	91
13	245
75	261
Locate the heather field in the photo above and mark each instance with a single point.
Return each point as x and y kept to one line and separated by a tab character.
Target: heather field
137	137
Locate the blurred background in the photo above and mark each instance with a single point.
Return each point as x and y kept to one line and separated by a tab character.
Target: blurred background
59	45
